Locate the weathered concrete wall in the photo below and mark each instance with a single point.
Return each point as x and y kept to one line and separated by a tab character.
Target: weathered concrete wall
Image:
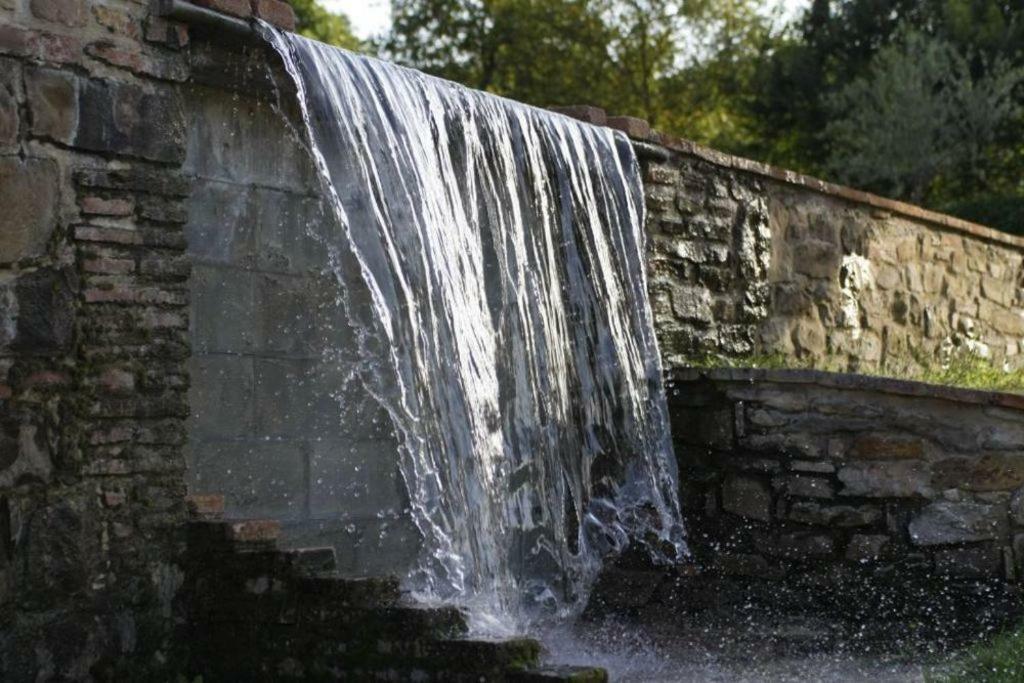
791	471
280	423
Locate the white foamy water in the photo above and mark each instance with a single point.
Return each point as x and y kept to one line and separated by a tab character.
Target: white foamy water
509	333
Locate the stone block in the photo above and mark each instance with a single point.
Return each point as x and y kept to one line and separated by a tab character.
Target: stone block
72	13
809	338
28	455
258	478
886	447
866	547
284	306
45	312
790	445
709	427
117	22
358	479
285	394
29	196
635	128
221	396
803	486
747	497
886	479
986	473
222	310
691	303
127	120
811	466
342	407
10	87
584	112
293	231
980	562
817	514
242	140
945	522
276	12
817	259
221	225
100	206
164	66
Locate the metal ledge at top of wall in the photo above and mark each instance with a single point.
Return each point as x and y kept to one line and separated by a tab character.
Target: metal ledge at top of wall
188	13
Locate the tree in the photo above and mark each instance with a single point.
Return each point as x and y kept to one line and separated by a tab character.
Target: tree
538	51
314	21
919	114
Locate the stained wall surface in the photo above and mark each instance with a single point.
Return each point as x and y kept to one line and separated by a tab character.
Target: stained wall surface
280	422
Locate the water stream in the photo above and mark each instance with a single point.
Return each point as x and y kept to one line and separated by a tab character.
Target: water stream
509	334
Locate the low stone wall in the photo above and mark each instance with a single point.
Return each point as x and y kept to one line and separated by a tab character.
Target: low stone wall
747	259
786	472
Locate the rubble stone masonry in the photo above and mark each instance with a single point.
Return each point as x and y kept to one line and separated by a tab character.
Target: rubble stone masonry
94	337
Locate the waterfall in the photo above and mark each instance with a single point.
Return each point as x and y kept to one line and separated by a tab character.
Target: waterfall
507	329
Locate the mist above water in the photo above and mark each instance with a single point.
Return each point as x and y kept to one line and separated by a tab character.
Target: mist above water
503	322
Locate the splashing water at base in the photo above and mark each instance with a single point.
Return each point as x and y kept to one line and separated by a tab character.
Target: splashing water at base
509	333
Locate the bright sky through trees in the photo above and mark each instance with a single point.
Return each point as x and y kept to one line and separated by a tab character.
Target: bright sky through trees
370	17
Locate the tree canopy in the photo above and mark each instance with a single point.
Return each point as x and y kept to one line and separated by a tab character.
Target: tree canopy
314	21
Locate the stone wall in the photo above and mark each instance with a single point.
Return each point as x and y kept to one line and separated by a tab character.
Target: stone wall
280	422
746	259
750	260
791	471
94	337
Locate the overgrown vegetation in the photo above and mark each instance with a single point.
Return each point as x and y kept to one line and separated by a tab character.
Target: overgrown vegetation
1000	660
963	369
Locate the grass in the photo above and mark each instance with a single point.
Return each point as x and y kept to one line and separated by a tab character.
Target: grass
963	369
1000	660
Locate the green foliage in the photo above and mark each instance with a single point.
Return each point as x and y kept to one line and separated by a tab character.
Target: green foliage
314	21
1005	212
960	369
1000	660
918	113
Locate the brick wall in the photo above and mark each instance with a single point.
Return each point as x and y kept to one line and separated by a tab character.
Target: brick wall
94	337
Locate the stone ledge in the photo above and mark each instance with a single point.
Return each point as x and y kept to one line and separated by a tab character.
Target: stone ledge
852	381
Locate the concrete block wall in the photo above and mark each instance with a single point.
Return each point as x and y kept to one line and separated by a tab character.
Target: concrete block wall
280	422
